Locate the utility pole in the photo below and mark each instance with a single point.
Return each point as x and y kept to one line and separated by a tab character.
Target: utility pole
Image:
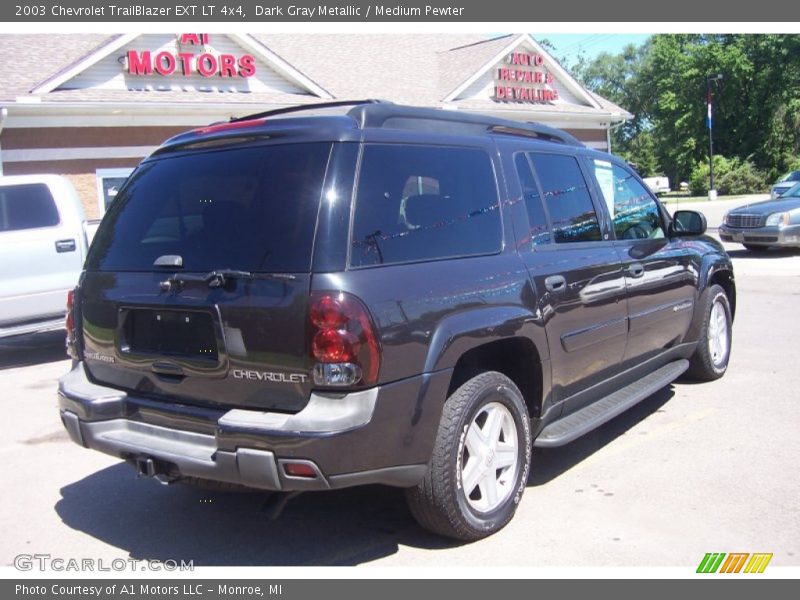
712	193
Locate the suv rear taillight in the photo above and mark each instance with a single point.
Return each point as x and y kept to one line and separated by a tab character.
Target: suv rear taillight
72	349
343	341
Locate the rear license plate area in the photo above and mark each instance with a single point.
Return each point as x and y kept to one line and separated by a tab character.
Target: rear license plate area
178	334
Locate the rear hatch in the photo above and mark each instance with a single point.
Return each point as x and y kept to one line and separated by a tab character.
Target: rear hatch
197	283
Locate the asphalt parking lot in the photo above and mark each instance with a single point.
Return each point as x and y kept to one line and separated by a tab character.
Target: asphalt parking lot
696	468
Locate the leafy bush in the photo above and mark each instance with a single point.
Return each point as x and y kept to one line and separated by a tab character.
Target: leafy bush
744	179
793	165
698	183
731	176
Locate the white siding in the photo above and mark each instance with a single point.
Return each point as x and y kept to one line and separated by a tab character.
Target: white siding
110	73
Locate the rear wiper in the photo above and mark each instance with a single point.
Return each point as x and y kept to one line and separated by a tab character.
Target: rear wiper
219	278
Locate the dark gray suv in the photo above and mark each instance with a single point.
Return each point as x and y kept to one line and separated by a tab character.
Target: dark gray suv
300	301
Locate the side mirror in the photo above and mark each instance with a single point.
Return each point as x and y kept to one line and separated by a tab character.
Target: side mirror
688	222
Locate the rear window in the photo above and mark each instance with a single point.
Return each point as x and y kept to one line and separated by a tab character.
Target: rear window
792	176
252	209
416	203
27	206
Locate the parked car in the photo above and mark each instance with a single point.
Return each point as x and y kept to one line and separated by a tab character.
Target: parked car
391	295
762	225
658	185
783	184
43	243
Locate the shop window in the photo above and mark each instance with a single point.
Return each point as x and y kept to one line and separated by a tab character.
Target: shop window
109	181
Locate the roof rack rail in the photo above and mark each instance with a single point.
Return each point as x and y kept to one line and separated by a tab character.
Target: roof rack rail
304	107
535	130
386	114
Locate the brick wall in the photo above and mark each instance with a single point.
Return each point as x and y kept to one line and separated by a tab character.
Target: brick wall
86	186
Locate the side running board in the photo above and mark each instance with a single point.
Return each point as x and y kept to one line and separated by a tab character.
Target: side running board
576	424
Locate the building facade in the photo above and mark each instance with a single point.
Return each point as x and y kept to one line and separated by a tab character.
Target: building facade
90	107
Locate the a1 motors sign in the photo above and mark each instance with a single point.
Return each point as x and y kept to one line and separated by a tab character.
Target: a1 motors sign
192	58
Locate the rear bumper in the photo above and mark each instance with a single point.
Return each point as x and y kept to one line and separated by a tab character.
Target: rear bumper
762	236
382	435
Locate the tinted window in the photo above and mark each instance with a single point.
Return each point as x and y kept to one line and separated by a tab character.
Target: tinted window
253	209
569	204
791	176
418	203
537	219
635	213
27	206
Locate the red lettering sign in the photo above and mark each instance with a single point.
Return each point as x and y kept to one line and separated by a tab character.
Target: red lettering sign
205	64
139	64
531	81
524	94
164	63
247	65
227	65
195	39
186	63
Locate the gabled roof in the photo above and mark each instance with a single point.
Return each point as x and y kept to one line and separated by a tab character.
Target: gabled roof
84	62
398	67
35	60
457	64
423	69
550	63
57	86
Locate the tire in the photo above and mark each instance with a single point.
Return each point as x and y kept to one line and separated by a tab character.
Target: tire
710	359
487	415
754	248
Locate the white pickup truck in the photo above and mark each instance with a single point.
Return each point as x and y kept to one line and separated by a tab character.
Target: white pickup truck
44	238
658	185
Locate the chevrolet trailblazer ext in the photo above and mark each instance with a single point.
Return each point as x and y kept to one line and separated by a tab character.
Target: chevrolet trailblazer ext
383	294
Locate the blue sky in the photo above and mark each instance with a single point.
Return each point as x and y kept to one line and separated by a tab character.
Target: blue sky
571	45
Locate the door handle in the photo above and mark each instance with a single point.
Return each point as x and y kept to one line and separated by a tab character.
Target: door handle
555	283
65	246
635	270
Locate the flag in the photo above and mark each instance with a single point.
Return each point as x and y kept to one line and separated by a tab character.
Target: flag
708	115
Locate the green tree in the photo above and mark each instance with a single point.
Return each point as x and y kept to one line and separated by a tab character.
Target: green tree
616	77
663	82
640	150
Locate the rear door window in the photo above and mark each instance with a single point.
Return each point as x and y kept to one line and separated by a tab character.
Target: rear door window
27	206
252	209
416	203
572	215
537	219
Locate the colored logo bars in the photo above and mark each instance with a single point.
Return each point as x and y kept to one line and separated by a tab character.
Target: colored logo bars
716	562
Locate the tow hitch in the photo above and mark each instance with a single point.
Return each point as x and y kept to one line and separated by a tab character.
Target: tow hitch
147	467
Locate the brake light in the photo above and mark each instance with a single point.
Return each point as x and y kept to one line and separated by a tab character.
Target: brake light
72	350
228	125
343	340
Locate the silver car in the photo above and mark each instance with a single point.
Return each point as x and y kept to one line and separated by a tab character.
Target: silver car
762	225
784	184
